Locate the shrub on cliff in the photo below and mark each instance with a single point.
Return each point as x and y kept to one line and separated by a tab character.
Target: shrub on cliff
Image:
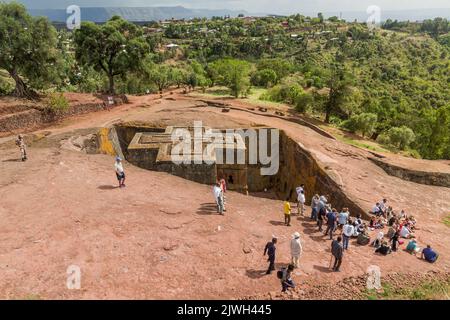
56	103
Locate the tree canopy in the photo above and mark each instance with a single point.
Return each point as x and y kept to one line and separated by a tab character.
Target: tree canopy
27	49
116	48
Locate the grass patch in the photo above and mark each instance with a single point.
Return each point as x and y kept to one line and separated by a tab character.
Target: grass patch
252	98
430	290
372	146
447	221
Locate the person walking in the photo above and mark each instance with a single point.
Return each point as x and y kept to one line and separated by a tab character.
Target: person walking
321	217
20	142
287	213
296	249
331	223
223	187
347	232
270	250
338	252
120	173
218	197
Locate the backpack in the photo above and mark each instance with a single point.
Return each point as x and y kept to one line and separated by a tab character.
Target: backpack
280	273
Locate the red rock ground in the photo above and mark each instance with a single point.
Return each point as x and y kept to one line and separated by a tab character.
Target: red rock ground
159	238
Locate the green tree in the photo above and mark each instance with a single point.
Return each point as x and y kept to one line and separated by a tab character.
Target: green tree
400	137
27	49
116	48
160	75
339	84
264	78
233	74
364	123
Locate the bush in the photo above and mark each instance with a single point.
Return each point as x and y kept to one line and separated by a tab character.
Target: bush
364	123
304	102
56	102
399	137
264	78
288	93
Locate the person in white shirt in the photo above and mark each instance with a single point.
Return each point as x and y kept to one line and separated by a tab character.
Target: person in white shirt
405	232
348	231
301	202
301	198
218	197
296	249
383	206
342	218
376	209
120	173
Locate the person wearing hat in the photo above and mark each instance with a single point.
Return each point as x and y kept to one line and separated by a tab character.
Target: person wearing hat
120	173
296	249
20	142
270	250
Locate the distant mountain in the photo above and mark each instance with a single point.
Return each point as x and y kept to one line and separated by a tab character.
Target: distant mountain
136	14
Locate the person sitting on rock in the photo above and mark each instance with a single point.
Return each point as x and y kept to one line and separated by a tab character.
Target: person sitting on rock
363	238
389	213
286	279
378	241
381	222
405	232
384	249
429	254
377	209
392	220
402	215
362	228
383	206
412	247
392	230
375	223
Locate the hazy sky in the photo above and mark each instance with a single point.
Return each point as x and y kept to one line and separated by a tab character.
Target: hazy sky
272	6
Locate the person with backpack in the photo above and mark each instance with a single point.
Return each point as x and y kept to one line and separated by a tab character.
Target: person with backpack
270	250
285	276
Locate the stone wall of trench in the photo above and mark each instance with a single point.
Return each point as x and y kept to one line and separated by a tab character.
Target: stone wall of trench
298	166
